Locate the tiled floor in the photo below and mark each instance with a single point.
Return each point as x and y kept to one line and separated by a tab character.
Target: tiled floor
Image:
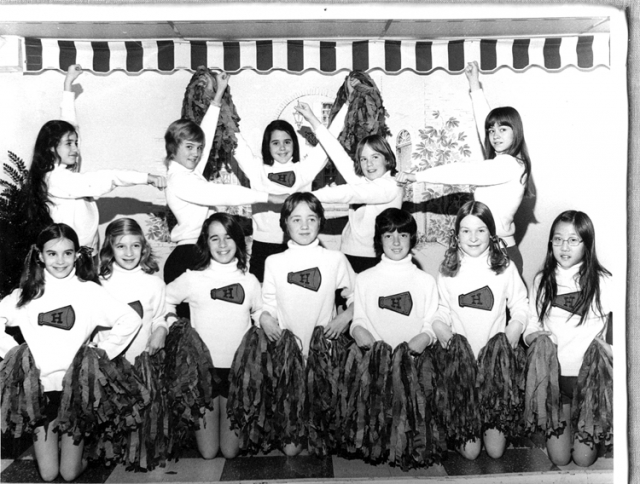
521	459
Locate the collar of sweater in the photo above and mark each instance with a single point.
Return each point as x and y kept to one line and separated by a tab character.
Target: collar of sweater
481	261
396	265
278	167
292	245
116	269
569	276
229	268
175	167
51	281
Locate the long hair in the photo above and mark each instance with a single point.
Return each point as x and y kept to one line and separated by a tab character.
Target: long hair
498	258
279	125
508	116
179	131
117	229
293	201
32	281
393	219
234	230
588	276
379	144
44	161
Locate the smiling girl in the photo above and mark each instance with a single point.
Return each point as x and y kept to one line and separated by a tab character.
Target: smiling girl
370	188
57	308
126	272
570	301
223	297
57	188
476	286
503	178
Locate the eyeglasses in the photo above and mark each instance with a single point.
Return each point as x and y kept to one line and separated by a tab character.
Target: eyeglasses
572	241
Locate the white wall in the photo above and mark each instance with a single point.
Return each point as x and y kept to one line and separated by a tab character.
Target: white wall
570	125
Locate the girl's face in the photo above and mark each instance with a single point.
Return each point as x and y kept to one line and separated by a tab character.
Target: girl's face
473	236
188	153
67	152
566	255
500	137
59	257
396	245
373	163
221	246
127	251
303	225
281	146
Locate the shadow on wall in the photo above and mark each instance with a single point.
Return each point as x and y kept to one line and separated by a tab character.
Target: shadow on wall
525	216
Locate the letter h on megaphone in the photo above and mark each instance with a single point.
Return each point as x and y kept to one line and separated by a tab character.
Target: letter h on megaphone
479	299
233	293
399	303
308	279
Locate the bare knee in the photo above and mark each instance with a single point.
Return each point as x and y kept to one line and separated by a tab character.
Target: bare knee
495	443
583	454
471	449
208	452
291	450
229	452
48	475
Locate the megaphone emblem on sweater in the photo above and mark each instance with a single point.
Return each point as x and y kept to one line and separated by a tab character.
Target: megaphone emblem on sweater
567	302
137	307
308	279
284	178
233	293
398	303
479	299
62	318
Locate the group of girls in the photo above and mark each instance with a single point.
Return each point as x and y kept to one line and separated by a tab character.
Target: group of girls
61	302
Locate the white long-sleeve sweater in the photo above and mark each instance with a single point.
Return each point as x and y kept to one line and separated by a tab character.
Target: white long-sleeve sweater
222	300
395	301
285	178
572	339
145	293
497	181
376	195
190	196
299	287
474	301
59	322
72	193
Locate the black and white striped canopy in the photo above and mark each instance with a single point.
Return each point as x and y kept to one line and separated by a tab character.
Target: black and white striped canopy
551	53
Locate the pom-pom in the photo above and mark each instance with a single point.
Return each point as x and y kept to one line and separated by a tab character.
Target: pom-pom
456	397
347	439
251	401
500	402
21	392
102	402
592	406
189	373
288	370
543	405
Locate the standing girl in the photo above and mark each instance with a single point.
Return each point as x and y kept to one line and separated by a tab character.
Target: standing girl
476	285
300	283
503	178
189	195
370	189
279	170
126	272
55	184
57	307
223	298
570	301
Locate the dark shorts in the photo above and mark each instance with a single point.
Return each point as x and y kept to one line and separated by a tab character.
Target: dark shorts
221	388
567	385
52	405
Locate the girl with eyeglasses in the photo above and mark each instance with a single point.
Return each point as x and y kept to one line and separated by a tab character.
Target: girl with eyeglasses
570	302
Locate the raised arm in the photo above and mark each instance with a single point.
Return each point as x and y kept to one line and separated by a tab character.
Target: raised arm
209	123
481	108
67	107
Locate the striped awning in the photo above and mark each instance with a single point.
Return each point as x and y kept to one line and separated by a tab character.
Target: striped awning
552	53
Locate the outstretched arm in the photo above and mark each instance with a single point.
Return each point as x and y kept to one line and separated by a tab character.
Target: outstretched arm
481	108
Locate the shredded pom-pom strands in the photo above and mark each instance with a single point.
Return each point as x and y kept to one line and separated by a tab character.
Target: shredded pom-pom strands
21	392
147	447
288	370
366	114
189	374
250	404
102	402
456	397
407	446
592	407
435	435
543	406
501	404
348	387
